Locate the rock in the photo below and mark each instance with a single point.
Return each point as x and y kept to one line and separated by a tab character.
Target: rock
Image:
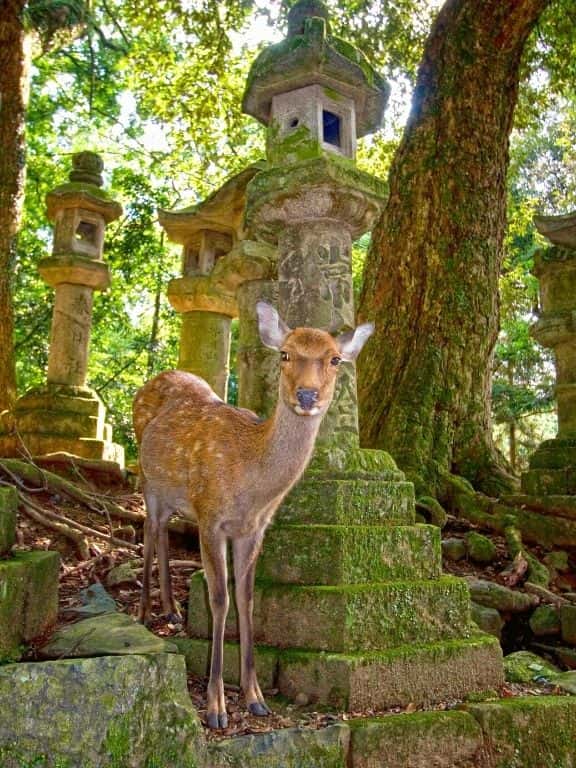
488	619
566	681
126	533
95	600
432	510
302	699
496	596
123	574
291	747
567	656
568	621
481	549
537	572
8	507
101	712
527	667
545	621
454	549
557	561
111	634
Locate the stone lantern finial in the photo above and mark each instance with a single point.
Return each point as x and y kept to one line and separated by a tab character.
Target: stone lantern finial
87	168
303	10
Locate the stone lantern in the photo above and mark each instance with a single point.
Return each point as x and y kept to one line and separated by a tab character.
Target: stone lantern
207	232
553	466
350	604
66	415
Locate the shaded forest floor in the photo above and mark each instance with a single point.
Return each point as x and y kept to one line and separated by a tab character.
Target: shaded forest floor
102	566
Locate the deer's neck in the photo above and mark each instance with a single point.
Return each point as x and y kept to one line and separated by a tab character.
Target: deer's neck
289	445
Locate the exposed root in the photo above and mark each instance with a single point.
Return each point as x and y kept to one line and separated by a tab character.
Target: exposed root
39	516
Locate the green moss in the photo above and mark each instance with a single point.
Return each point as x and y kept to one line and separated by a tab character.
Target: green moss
8	507
351	554
481	549
529	732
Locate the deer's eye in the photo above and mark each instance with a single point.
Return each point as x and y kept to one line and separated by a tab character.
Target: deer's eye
284	356
336	361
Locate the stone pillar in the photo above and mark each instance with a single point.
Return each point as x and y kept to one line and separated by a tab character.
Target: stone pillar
248	272
553	466
205	332
350	602
66	415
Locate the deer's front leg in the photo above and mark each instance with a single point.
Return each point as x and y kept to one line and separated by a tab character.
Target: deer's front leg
213	549
246	551
169	606
150	536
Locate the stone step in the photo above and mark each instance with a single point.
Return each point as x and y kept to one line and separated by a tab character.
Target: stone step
28	598
8	507
349	502
416	673
346	618
546	482
351	554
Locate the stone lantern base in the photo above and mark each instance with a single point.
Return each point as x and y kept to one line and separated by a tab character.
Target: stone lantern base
552	469
351	607
57	418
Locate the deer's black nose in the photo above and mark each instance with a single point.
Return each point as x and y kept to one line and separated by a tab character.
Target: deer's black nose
307	398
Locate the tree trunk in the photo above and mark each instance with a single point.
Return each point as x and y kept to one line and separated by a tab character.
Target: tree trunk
431	278
14	61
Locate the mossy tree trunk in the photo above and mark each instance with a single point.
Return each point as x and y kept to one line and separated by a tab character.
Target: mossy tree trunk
431	279
14	59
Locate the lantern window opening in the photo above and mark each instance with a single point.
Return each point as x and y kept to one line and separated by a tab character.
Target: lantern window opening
87	232
331	128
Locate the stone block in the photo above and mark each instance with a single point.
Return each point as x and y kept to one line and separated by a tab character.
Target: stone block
97	713
545	482
81	400
28	597
86	448
338	554
487	619
554	454
197	655
528	732
288	748
416	673
8	507
568	623
66	423
349	502
346	618
419	740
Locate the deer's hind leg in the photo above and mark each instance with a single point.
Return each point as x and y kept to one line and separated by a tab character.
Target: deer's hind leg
150	542
169	605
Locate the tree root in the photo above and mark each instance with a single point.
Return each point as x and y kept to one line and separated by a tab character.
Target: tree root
38	515
26	473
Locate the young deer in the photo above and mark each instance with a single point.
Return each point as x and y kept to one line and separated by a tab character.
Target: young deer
228	471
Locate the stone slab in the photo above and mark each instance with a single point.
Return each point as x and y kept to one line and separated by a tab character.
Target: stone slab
109	634
289	748
28	598
554	454
8	507
417	674
529	732
41	445
345	618
349	502
419	740
544	482
66	423
352	554
80	400
111	711
197	655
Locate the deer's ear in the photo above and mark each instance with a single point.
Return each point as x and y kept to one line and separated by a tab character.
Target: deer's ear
273	330
351	343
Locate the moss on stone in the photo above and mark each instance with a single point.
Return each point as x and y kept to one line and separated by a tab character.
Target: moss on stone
481	549
351	554
342	502
28	597
528	732
527	667
441	739
8	507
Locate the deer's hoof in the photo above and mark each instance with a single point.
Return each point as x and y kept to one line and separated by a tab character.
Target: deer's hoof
259	710
215	721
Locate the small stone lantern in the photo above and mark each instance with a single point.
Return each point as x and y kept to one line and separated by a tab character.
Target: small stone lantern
207	232
553	466
66	415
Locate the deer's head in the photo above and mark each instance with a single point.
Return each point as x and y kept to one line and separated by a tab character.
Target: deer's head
309	359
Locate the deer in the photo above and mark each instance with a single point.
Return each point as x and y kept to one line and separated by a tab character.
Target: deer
228	471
